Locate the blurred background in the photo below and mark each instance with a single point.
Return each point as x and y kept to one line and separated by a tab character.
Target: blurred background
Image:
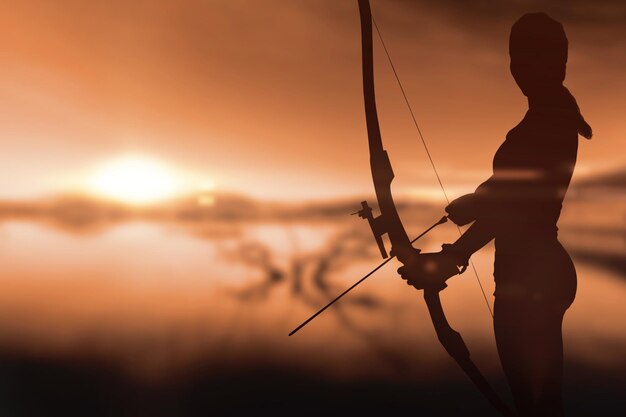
176	180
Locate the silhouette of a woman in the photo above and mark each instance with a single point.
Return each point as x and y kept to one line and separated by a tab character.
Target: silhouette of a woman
519	206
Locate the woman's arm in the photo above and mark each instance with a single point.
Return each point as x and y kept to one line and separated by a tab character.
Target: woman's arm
478	235
470	207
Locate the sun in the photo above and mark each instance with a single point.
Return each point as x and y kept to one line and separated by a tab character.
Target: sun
135	179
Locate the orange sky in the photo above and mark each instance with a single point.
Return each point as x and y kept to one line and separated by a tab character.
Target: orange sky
265	97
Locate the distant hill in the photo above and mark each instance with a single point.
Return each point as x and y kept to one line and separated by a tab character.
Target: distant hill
83	213
614	179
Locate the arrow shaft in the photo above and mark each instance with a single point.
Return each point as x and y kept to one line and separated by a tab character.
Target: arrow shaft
320	311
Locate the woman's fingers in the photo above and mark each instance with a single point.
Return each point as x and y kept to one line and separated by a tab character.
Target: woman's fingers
402	272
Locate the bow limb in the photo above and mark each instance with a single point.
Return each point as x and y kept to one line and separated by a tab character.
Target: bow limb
382	173
453	343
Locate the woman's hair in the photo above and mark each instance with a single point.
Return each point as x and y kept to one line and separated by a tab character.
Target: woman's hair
538	50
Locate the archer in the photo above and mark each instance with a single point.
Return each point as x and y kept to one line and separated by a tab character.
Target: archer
519	206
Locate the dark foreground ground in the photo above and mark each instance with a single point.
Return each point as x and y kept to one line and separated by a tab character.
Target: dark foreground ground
45	387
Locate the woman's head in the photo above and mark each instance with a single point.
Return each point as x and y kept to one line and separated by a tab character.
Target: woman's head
538	50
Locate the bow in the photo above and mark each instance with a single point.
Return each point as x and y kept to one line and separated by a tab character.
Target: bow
389	221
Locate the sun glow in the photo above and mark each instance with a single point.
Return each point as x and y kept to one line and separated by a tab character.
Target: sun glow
135	179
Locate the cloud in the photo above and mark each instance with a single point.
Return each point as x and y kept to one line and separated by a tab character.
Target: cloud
605	13
597	27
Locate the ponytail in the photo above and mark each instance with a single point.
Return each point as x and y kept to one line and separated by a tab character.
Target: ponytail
583	127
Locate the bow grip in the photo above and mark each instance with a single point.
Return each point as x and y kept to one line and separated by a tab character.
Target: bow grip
376	226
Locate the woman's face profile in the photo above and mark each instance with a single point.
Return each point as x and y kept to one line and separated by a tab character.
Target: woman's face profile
523	81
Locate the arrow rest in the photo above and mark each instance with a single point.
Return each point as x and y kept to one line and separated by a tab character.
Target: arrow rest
376	224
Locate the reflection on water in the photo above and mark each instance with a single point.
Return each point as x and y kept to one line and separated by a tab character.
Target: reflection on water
147	284
156	298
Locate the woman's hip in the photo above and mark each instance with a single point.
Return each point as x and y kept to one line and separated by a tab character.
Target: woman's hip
542	272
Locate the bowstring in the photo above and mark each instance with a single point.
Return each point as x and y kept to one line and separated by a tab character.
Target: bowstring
430	158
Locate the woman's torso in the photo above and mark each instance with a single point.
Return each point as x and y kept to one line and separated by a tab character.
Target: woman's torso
532	171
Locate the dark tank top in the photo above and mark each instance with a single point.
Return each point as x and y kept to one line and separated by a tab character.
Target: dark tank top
532	170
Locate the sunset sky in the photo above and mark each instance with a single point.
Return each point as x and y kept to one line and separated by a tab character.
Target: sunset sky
175	183
264	97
